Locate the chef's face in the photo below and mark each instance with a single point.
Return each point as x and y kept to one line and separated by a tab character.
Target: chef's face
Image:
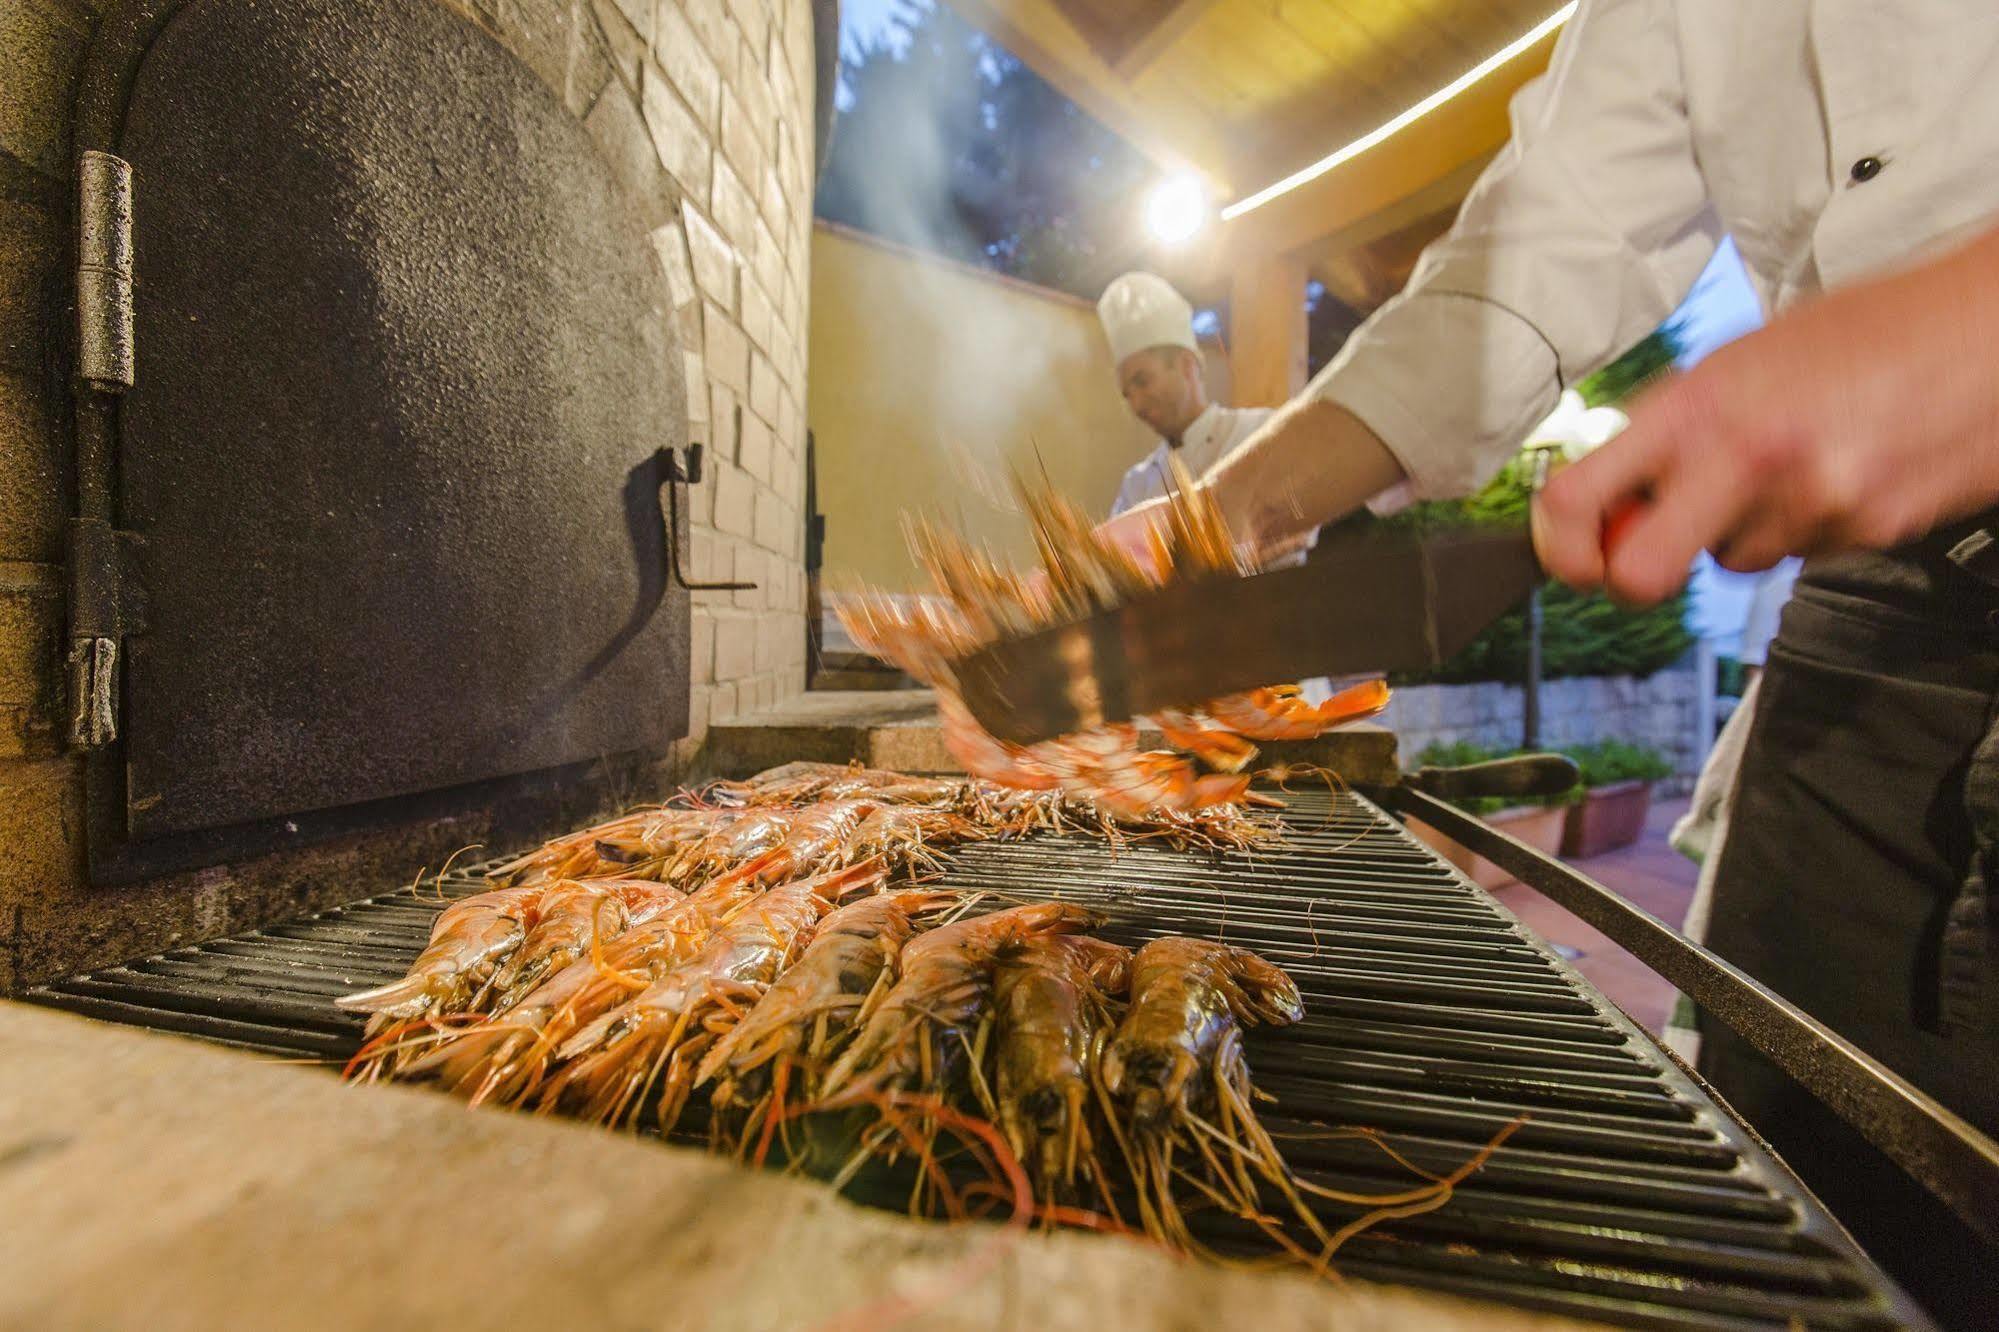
1162	386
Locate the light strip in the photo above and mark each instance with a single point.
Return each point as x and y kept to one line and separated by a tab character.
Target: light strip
1407	118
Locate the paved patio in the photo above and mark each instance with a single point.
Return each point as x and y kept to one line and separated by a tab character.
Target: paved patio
1651	875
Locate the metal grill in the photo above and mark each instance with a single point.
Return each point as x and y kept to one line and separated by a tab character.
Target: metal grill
1432	1015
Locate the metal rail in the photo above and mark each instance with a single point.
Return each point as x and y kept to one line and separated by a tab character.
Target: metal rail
1940	1151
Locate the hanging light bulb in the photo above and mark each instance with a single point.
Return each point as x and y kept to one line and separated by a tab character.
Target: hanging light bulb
1177	208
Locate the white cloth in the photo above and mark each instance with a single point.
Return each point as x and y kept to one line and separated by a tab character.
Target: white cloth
1659	126
1766	605
1141	310
1214	434
1698	836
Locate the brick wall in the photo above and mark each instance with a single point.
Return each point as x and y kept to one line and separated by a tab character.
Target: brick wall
704	110
707	106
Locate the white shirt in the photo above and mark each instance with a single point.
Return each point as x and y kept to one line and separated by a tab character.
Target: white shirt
1832	138
1213	435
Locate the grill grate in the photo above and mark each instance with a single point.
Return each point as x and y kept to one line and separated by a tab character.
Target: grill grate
1432	1015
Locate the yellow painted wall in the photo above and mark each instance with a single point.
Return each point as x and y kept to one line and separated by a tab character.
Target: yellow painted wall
928	380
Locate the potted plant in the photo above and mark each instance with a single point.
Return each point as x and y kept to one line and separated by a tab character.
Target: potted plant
1617	779
1538	823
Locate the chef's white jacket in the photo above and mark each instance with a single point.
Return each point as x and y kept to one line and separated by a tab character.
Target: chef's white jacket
1833	139
1213	435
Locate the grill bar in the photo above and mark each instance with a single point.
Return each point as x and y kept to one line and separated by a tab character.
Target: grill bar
1433	1016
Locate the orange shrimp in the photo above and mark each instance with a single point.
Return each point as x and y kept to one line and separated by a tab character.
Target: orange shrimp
923	1026
1206	739
1281	713
920	635
816	1000
981	755
468	942
666	1028
1146	785
610	847
574	916
509	1057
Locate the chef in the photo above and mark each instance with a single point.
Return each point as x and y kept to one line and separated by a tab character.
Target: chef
1150	327
1852	151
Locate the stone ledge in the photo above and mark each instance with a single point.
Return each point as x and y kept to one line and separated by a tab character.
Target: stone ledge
898	728
151	1181
894	728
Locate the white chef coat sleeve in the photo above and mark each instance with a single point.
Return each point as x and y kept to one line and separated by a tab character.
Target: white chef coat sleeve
1580	238
1127	491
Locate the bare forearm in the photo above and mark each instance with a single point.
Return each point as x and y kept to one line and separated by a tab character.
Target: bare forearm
1311	463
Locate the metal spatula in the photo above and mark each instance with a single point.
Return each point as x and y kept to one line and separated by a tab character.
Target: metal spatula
1378	600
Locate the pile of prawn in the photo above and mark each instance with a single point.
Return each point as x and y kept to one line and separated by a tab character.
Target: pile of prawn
978	601
766	952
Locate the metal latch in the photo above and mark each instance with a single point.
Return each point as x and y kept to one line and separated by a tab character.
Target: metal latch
673	476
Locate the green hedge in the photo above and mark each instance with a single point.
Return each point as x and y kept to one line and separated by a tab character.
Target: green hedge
1602	763
1581	633
1610	761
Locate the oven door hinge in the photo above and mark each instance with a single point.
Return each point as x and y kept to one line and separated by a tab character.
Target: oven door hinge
104	353
104	608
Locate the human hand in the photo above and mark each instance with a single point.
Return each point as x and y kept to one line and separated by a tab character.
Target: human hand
1132	531
1861	420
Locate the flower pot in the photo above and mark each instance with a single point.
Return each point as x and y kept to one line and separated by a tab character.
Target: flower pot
1608	819
1540	826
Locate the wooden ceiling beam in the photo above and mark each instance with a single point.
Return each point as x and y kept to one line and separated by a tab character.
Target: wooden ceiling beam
1433	207
1451	143
1357	279
1154	42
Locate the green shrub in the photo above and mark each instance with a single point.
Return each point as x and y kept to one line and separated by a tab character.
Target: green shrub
1582	633
1610	761
1463	753
1730	676
1651	356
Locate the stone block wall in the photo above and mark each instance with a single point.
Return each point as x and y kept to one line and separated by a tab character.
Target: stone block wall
706	105
1661	710
704	110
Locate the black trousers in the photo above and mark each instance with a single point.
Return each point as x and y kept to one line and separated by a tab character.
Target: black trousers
1855	881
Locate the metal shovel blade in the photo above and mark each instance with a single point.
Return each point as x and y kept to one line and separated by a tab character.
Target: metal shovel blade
1375	601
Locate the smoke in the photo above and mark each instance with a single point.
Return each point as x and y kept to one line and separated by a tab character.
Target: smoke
969	377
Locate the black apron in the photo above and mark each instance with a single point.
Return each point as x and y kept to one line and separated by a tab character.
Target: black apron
1857	880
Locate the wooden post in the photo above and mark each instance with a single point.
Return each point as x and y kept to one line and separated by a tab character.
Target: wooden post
1267	331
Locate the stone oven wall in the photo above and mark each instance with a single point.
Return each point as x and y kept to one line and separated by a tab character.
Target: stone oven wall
704	109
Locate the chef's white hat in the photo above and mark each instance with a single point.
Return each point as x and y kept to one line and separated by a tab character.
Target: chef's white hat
1141	310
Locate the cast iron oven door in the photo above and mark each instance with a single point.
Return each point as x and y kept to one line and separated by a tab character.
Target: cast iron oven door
404	368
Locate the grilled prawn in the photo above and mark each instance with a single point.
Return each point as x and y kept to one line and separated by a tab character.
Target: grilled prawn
1052	1015
575	916
1281	712
1176	1080
660	1034
508	1057
468	942
814	1003
924	1024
